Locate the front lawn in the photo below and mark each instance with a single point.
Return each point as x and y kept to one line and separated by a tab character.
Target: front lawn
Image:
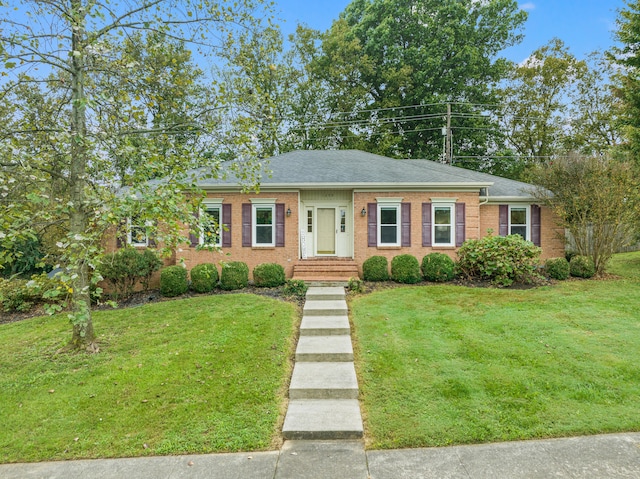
443	365
205	374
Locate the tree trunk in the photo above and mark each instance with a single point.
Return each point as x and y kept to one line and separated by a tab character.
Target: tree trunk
83	334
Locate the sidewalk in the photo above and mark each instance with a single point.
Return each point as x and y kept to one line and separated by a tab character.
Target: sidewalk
609	456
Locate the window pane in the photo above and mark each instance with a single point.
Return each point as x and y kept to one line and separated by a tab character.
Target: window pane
388	216
519	230
264	216
443	234
138	235
442	215
388	234
212	226
264	234
309	221
518	216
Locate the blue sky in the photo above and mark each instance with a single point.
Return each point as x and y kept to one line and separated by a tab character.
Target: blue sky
584	25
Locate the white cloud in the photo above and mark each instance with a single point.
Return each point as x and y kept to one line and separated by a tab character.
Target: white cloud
528	6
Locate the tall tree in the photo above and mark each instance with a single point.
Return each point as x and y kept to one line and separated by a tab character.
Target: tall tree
63	50
401	61
627	79
535	116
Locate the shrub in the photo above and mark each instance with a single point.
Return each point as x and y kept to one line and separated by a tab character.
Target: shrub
557	268
173	281
125	267
21	294
204	278
499	259
438	267
356	285
405	269
295	288
268	275
375	268
582	267
235	275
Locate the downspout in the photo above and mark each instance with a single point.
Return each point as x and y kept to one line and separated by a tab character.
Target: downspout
480	203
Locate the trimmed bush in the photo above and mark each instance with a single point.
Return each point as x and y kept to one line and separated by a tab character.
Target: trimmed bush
499	259
235	275
375	268
295	288
173	281
557	268
268	275
405	269
204	277
438	267
356	285
125	267
582	267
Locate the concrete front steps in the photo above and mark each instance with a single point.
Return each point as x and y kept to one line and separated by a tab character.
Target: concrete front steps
325	269
323	395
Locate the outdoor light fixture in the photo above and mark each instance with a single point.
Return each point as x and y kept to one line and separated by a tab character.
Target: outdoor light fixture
288	211
363	212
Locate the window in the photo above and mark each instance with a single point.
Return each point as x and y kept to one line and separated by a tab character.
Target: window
137	234
389	225
443	226
263	225
309	221
211	225
519	221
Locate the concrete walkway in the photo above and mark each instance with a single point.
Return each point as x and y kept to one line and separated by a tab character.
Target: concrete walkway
614	456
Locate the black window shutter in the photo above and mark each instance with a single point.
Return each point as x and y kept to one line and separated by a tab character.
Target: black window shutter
372	224
246	225
406	224
460	223
504	220
280	224
193	237
121	234
226	222
426	224
152	236
536	225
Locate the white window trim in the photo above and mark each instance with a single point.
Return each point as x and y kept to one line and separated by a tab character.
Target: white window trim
212	204
138	244
528	220
398	207
254	224
452	221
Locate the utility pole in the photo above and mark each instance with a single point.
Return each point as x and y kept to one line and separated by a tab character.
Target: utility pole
447	148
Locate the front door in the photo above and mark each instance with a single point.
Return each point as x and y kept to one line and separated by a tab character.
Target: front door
326	231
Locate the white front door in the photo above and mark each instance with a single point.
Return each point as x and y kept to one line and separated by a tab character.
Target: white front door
326	231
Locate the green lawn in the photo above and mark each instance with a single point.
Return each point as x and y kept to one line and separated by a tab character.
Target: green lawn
442	365
189	376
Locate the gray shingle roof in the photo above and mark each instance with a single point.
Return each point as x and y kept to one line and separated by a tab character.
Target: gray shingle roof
342	169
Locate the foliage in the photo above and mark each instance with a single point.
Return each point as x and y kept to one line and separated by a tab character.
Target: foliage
390	66
502	260
235	275
557	268
405	269
356	285
204	277
582	267
21	294
173	281
191	376
375	268
97	95
25	258
295	288
596	198
438	267
124	268
268	275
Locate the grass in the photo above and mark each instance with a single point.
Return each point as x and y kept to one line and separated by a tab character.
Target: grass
442	365
206	374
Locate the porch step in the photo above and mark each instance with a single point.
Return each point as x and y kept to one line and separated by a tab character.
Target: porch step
319	419
321	269
316	293
322	380
324	349
331	307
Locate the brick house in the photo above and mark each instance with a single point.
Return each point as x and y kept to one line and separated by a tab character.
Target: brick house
321	214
